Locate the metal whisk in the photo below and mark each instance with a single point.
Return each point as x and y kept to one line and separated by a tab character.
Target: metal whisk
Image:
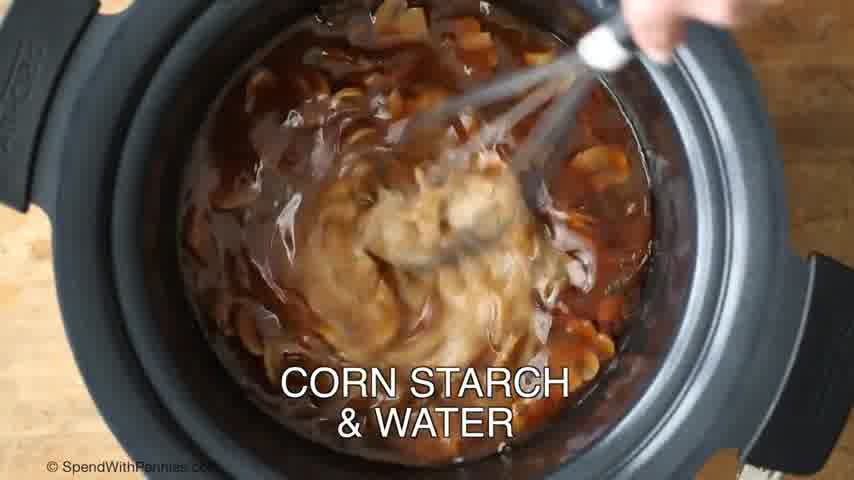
569	79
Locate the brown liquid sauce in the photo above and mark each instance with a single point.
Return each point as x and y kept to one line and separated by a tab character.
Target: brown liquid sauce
297	139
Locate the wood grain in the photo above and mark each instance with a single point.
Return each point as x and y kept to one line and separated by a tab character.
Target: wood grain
802	55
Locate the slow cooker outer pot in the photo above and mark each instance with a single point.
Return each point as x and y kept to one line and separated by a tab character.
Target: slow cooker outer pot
761	333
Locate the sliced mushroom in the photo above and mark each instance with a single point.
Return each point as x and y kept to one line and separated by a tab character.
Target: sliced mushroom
603	181
581	264
581	329
465	26
197	234
427	99
359	135
395	104
610	309
261	79
402	67
387	14
221	312
576	379
542	325
338	63
582	271
394	19
605	346
347	95
537	58
313	85
468	123
268	323
238	270
476	41
607	164
580	220
588	366
567	352
374	81
243	190
492	58
412	24
599	158
286	226
274	360
246	321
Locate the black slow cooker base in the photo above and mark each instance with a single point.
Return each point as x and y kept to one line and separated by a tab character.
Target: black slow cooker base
724	317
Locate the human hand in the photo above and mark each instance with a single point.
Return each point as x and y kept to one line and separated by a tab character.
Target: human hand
658	25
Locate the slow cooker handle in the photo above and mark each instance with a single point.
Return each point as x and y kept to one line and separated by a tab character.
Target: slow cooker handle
36	40
816	401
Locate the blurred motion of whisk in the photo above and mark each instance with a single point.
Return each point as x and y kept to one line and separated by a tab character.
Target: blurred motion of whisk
567	80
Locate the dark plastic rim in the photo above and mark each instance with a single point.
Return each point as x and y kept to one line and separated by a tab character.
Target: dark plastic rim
83	164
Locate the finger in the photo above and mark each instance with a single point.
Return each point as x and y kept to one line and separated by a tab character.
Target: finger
657	26
730	13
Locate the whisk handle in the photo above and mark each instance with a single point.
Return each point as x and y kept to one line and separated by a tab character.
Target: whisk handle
609	46
618	26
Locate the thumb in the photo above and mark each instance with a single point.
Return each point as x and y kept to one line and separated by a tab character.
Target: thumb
656	26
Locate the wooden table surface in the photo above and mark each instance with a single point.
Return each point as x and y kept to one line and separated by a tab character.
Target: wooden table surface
802	53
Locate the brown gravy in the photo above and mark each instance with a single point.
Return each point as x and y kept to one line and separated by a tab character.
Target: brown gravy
321	105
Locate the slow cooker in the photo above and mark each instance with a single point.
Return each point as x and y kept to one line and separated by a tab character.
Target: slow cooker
739	344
